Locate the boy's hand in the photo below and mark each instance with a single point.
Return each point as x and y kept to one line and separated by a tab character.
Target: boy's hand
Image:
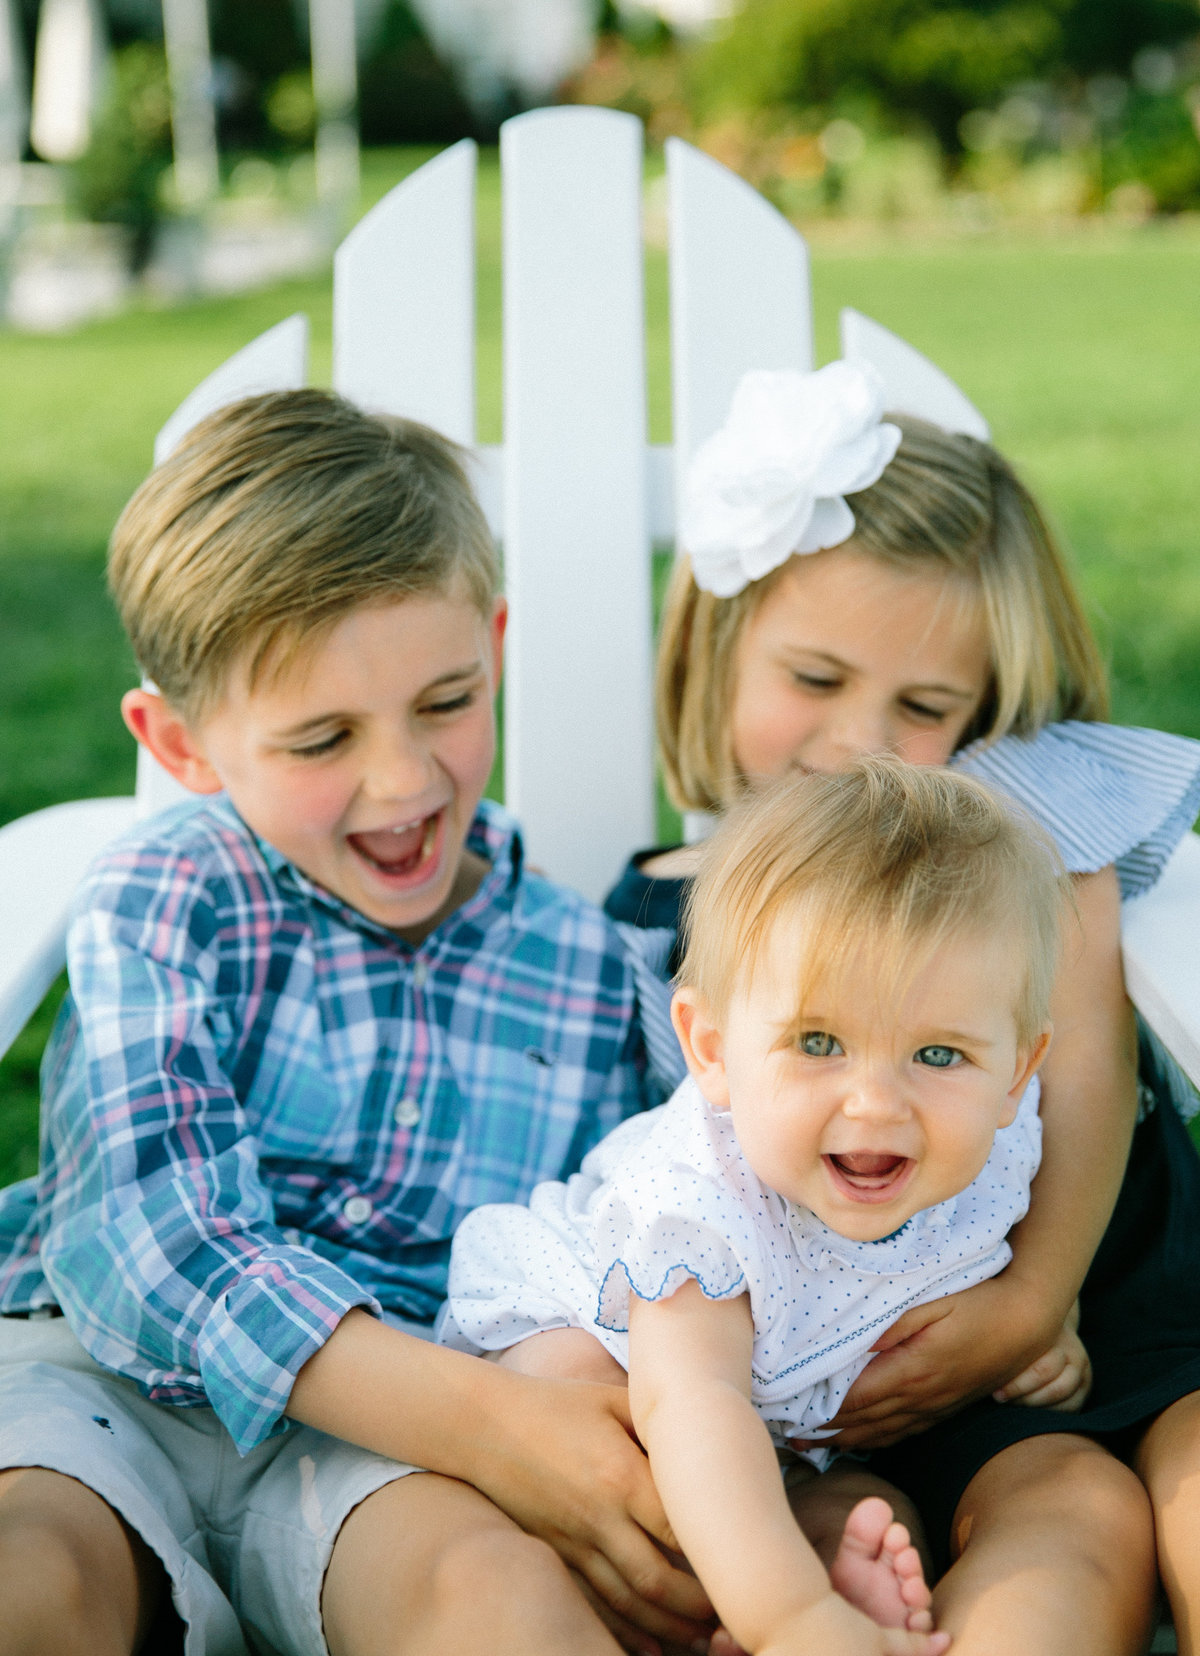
567	1468
1060	1379
939	1357
558	1456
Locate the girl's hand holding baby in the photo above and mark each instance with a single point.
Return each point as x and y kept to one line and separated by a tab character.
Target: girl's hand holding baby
1060	1379
938	1357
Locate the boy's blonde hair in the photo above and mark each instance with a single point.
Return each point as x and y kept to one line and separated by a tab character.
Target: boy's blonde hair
893	857
944	500
272	520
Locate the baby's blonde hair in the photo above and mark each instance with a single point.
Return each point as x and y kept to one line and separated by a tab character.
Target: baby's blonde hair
945	501
273	519
893	857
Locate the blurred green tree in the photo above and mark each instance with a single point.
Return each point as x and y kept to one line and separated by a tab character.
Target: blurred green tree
118	178
930	59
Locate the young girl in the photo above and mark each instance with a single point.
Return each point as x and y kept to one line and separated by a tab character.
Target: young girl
862	1006
867	586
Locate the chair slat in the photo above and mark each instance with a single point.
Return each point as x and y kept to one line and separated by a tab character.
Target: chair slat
912	384
578	750
404	300
276	361
739	292
1160	940
44	856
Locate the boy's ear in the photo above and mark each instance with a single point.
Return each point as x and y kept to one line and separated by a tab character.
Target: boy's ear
161	730
703	1045
496	628
1029	1061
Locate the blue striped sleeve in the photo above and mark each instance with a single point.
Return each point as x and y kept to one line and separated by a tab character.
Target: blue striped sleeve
1106	793
649	950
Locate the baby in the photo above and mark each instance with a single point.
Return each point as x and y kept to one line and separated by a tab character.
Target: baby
863	1006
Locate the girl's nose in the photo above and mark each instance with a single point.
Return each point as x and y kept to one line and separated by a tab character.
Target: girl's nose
860	730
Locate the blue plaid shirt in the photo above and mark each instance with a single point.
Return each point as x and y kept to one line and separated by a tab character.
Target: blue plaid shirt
261	1109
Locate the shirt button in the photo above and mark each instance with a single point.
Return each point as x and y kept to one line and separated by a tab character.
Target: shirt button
407	1112
420	974
356	1210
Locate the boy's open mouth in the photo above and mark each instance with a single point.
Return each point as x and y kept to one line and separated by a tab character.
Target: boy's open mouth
869	1175
401	853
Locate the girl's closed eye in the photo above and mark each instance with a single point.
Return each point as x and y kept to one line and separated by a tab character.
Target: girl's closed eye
920	710
939	1057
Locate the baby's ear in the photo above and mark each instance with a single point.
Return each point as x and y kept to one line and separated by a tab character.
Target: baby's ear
1029	1061
703	1045
161	730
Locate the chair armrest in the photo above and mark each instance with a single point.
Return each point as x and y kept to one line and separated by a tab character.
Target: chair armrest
1160	938
43	857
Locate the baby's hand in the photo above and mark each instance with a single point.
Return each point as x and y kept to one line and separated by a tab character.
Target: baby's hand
1060	1379
835	1628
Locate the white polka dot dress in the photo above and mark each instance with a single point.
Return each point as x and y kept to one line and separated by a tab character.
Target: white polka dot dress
668	1195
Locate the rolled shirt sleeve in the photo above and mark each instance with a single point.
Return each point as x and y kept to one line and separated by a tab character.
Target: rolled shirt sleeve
161	1243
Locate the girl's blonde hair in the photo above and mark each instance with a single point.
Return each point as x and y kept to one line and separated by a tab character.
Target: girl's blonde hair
944	500
898	859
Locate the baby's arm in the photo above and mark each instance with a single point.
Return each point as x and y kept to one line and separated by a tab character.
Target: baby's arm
715	1467
942	1355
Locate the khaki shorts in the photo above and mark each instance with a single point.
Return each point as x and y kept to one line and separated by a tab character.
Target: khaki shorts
245	1541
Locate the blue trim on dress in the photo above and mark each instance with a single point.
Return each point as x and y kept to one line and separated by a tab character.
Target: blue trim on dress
664	1291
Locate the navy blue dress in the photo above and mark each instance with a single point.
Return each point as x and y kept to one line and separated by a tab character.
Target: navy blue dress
1108	795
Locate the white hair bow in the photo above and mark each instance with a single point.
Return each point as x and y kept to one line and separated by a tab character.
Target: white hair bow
772	480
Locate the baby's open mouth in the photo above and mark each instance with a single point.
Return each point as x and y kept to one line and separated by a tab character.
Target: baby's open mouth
399	851
869	1175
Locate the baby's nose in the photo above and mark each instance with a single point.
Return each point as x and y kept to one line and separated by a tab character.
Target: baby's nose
876	1098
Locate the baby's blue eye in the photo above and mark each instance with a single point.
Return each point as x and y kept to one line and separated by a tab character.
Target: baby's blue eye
815	1043
939	1057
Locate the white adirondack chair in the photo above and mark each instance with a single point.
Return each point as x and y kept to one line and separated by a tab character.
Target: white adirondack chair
575	494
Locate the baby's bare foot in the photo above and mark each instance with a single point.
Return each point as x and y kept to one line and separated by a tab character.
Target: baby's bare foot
879	1571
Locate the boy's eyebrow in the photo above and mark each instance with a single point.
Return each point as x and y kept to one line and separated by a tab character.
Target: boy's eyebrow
847	666
456	675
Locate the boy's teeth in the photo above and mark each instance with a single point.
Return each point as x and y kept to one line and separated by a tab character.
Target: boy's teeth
399	850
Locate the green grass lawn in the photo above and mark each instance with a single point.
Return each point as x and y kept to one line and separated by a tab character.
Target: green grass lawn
1082	350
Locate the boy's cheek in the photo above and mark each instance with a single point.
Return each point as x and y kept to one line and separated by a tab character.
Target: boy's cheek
471	758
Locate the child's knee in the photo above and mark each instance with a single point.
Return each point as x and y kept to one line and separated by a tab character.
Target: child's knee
68	1564
1070	1486
497	1563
